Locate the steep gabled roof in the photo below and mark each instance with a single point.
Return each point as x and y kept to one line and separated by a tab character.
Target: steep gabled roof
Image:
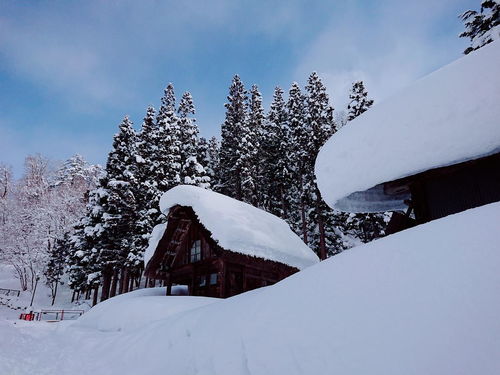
237	226
447	117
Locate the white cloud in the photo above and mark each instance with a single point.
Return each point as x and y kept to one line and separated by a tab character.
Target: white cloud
388	45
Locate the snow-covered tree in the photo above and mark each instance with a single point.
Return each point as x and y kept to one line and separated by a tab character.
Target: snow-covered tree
300	147
78	173
230	182
6	187
39	213
202	155
83	266
56	264
358	100
249	147
119	212
319	117
168	163
275	152
147	193
366	227
212	163
481	27
192	171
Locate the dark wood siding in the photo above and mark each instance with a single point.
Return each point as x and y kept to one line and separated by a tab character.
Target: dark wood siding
453	189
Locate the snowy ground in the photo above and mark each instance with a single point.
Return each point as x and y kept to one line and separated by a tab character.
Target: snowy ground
423	301
42	298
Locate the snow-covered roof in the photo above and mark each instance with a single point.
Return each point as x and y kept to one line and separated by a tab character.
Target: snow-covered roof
450	116
237	226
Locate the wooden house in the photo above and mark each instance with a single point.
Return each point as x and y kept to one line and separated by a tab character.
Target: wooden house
220	247
430	151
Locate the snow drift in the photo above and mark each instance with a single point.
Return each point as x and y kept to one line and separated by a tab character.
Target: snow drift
447	117
133	310
422	301
237	226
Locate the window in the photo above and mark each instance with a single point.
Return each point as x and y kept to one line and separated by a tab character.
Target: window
213	279
195	253
202	281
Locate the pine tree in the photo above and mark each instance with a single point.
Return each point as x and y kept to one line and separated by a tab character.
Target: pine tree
481	28
358	101
56	265
212	163
319	117
364	226
192	172
83	268
119	209
300	146
275	144
168	163
147	194
71	170
230	181
202	155
249	147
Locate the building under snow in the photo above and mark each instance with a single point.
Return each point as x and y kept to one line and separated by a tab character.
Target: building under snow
431	150
219	246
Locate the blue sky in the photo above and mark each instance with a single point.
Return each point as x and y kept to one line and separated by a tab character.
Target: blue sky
70	70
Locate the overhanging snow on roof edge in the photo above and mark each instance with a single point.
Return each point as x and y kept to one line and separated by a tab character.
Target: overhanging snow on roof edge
447	117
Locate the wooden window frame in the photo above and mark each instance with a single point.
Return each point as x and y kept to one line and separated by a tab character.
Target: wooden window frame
195	252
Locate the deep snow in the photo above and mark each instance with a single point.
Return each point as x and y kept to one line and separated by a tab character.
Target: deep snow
237	226
11	305
449	116
133	310
422	301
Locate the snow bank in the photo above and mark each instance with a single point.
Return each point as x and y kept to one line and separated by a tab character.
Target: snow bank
239	227
422	301
449	116
133	310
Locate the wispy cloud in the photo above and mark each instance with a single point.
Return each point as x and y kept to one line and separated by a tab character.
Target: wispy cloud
388	45
90	62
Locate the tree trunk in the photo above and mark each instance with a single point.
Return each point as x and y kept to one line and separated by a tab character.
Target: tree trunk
114	283
131	283
96	292
123	271
54	295
106	283
139	279
304	222
322	244
126	276
169	285
33	292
